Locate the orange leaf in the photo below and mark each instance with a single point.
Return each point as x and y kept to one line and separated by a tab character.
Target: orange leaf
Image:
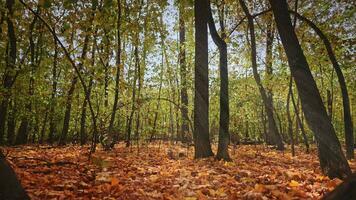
114	181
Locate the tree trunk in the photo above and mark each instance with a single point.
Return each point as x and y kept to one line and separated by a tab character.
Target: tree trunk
118	71
70	93
224	136
201	82
133	107
299	122
272	127
83	134
332	160
348	126
290	122
11	123
10	186
52	123
43	130
67	113
9	77
183	74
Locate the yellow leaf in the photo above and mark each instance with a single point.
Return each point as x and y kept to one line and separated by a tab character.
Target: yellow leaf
293	183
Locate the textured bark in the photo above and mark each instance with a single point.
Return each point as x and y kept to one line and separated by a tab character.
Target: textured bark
9	77
272	126
348	125
224	136
201	82
183	74
332	161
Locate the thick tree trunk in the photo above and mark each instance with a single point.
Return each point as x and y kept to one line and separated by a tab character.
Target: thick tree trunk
332	160
348	126
272	127
224	136
10	186
201	82
9	77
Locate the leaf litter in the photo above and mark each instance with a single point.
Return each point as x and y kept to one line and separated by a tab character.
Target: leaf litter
257	172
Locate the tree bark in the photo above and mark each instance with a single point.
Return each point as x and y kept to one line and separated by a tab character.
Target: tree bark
9	77
201	82
272	127
183	74
332	161
348	125
224	136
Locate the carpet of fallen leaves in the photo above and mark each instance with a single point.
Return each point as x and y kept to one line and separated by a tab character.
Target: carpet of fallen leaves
167	172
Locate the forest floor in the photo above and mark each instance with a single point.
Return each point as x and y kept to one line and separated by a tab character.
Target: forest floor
163	172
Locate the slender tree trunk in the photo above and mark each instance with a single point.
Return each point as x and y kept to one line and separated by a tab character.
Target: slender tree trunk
26	120
43	129
201	82
224	136
272	127
299	122
290	122
159	92
70	93
67	113
118	71
52	123
133	107
83	134
11	123
330	104
332	160
183	74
